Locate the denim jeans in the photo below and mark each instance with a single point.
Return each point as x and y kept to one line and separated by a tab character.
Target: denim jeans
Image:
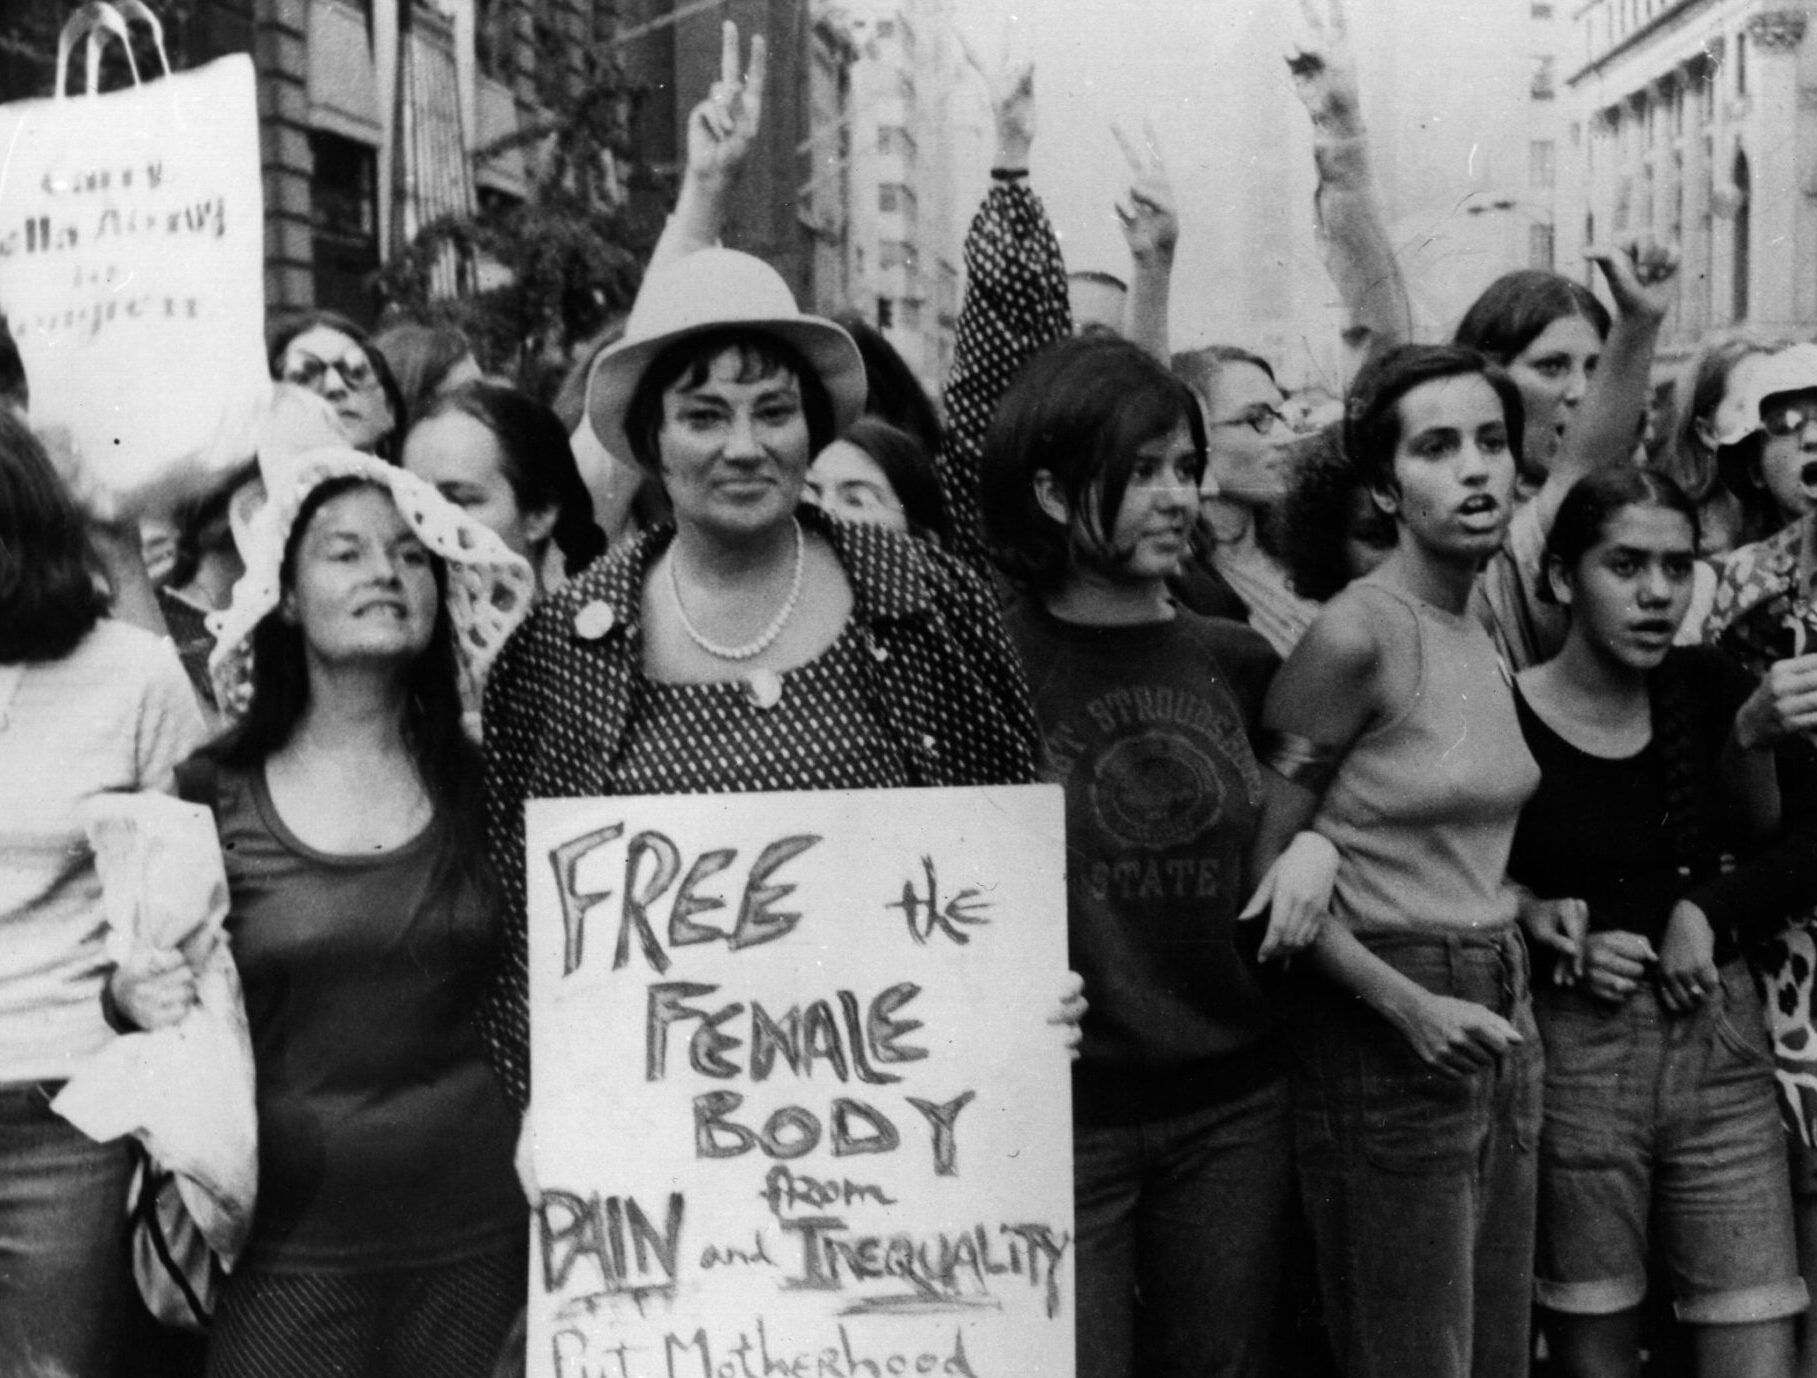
1190	1213
1662	1136
63	1240
1420	1187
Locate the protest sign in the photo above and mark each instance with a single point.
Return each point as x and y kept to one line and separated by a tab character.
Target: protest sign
132	276
797	1106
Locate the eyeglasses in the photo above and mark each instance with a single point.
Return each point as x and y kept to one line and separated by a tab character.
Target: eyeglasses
1261	418
307	371
1789	415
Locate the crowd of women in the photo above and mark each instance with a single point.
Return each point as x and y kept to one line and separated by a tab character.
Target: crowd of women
1470	732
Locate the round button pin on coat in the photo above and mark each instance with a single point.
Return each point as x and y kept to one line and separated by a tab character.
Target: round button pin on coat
594	621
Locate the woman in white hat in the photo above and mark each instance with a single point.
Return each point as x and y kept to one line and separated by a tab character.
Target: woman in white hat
364	925
807	652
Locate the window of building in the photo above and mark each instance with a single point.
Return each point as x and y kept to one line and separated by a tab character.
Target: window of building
1541	10
1741	64
1544	84
1539	247
893	138
886	313
1542	164
344	224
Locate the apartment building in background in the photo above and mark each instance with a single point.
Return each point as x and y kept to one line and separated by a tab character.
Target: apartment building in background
1695	121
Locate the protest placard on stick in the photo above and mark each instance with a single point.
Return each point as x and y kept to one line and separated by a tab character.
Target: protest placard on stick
797	1105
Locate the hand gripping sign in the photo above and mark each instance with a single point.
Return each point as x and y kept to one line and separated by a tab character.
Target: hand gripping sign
797	1106
132	271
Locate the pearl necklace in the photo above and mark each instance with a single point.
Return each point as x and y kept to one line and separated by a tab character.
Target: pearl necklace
767	637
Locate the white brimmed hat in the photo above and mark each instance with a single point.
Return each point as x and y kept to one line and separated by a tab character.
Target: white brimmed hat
488	588
717	289
1792	369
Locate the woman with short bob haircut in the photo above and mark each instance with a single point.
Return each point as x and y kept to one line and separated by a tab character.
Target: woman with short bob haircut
752	643
1399	774
1181	1128
88	705
505	458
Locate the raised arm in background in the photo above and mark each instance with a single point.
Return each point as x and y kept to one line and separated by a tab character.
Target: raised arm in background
1346	215
721	130
1015	302
1151	227
1605	429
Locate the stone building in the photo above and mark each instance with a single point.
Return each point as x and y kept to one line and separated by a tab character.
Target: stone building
371	112
1696	121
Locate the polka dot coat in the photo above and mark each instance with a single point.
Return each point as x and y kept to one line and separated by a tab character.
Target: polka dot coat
935	671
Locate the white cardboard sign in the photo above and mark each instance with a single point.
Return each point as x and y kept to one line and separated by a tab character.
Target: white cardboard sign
797	1106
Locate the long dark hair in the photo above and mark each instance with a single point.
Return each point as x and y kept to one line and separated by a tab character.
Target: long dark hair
1080	409
1514	310
1582	522
1372	410
278	344
446	760
539	463
49	597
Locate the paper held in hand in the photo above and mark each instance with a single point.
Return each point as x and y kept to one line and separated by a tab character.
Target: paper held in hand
796	1101
132	275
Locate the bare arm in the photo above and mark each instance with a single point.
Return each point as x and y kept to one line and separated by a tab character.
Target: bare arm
1151	226
1346	214
1602	434
721	130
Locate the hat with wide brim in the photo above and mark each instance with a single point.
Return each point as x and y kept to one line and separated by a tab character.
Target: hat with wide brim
488	589
1792	369
710	290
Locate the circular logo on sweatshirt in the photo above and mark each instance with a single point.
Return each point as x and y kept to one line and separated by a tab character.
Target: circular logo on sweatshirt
1156	789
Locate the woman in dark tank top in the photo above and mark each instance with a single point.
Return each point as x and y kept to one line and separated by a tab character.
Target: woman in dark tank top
1661	1137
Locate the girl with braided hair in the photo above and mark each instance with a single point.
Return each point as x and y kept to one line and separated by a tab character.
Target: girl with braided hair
1660	1117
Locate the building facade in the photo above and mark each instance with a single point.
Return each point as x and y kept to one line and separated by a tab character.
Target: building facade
901	246
373	114
1695	121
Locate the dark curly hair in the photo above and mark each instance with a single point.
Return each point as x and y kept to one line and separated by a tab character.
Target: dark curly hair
1372	408
1318	516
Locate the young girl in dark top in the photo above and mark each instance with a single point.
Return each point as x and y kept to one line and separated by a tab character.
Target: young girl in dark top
1659	1104
1181	1130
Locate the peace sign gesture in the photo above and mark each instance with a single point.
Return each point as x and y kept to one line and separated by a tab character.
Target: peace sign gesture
722	127
1012	96
1324	73
1151	223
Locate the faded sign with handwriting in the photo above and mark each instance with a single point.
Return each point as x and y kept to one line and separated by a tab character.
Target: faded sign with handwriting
798	1108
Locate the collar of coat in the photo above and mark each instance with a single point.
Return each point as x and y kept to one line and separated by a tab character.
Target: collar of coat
887	572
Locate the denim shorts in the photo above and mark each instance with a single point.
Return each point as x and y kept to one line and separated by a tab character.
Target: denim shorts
1419	1186
1664	1126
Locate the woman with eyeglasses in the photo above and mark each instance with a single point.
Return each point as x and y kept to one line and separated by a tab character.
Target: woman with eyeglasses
1764	614
335	359
1246	476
